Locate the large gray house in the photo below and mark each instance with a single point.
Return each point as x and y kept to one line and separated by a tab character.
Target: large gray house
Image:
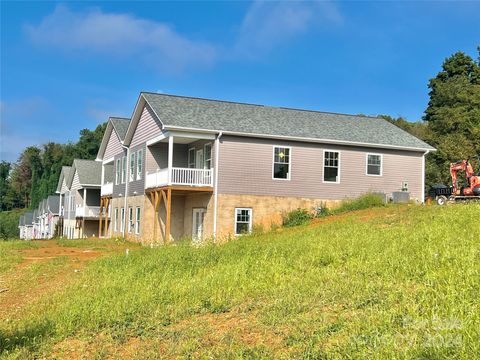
190	167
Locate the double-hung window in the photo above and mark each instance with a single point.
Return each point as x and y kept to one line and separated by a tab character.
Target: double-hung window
137	220
130	219
374	164
124	169
115	220
281	162
331	166
191	158
122	219
139	164
118	171
207	156
243	221
132	167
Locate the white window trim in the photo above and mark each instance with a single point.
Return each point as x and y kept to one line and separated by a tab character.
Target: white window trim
138	212
339	166
124	169
289	162
235	220
204	155
131	224
122	218
381	164
115	220
118	171
131	175
189	159
139	156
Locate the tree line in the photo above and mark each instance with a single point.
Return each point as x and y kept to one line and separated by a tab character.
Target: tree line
34	176
451	124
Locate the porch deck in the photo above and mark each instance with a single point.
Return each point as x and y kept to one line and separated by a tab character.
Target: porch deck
177	176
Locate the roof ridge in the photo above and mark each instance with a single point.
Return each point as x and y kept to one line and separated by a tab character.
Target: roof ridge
262	105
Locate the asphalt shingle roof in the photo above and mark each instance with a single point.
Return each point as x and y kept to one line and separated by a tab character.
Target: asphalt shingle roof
178	111
121	126
53	202
28	218
89	172
63	175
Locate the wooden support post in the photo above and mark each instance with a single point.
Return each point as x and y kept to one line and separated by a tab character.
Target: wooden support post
106	216
100	222
154	204
169	208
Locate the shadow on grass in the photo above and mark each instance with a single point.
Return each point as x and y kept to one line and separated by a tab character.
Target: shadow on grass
28	339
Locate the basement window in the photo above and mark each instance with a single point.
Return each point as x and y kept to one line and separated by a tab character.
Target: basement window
243	221
122	219
374	164
130	220
137	220
115	220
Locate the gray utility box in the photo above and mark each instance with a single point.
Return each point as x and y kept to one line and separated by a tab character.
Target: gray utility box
401	197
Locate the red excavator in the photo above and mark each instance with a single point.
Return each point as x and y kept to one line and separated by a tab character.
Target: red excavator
471	190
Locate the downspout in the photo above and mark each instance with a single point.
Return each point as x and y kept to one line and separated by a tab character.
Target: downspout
215	190
423	175
127	172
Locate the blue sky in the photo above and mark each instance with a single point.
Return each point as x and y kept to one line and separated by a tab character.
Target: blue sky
68	66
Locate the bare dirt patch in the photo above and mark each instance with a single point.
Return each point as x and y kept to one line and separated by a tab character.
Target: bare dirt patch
45	270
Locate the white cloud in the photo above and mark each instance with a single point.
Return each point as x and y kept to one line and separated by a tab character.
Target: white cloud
269	24
265	26
121	35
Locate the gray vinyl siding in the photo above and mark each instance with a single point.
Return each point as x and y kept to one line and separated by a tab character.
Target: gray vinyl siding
157	156
75	182
109	173
70	204
120	188
137	186
245	167
148	127
113	146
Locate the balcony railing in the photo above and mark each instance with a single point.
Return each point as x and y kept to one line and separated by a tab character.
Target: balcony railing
87	211
107	189
180	176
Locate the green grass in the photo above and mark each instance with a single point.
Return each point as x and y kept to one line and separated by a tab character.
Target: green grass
402	285
9	223
366	201
9	255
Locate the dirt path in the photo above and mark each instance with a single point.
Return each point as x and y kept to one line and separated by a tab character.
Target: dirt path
47	269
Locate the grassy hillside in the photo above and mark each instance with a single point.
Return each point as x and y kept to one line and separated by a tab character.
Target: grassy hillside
395	282
9	223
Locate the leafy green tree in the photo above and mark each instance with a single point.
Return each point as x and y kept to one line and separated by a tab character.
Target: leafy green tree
453	116
4	185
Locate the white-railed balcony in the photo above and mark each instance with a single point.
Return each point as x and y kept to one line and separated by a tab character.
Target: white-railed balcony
107	189
87	211
179	176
